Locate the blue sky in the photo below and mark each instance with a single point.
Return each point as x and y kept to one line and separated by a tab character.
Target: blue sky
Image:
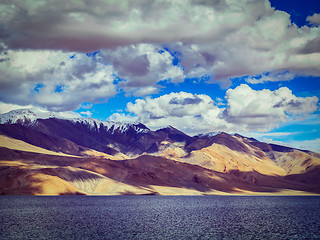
251	67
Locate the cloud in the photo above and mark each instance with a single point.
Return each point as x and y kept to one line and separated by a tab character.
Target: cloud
312	145
221	39
173	104
64	114
40	112
121	117
311	47
263	110
141	66
53	80
7	107
81	26
192	113
136	41
186	101
86	113
86	106
314	19
273	77
139	92
60	80
246	110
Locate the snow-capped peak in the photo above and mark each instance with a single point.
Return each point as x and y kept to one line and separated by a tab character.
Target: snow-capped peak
15	116
116	126
209	135
29	116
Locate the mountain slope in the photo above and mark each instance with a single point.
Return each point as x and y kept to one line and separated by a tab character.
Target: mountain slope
32	173
12	143
72	136
123	158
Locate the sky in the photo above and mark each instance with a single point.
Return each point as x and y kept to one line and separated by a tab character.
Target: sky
239	66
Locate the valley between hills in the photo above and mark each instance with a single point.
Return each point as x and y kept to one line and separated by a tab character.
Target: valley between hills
54	156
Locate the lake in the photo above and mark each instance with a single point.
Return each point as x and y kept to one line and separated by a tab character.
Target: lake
159	217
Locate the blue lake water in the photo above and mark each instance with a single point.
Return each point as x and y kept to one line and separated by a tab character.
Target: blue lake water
159	217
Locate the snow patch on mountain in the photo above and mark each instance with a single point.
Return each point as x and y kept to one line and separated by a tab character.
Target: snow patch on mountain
115	126
31	114
208	135
30	117
23	116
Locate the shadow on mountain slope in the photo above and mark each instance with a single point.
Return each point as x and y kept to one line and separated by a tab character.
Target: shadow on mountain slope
146	171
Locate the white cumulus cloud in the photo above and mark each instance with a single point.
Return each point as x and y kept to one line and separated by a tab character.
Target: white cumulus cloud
247	110
86	113
53	80
192	113
263	110
218	39
314	19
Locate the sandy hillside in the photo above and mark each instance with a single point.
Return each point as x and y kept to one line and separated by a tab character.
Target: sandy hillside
222	159
213	170
12	143
295	162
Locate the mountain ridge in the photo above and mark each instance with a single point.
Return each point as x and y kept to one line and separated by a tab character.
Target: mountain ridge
149	162
28	117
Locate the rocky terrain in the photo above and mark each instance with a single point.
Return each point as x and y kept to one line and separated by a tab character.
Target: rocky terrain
49	155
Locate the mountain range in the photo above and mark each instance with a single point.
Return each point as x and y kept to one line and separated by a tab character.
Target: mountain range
45	154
